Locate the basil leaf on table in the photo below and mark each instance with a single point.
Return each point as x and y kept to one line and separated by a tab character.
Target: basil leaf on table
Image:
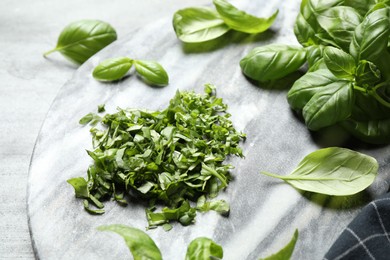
340	63
333	171
241	21
80	186
198	24
152	72
112	69
203	248
80	40
139	243
286	252
272	61
371	37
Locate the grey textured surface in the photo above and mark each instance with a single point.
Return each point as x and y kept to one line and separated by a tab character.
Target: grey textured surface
29	83
264	212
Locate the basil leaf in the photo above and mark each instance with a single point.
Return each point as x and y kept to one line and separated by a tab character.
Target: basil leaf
367	74
112	69
141	246
340	23
80	40
371	36
203	248
375	131
240	20
272	61
90	118
329	105
340	63
152	72
361	6
333	171
220	206
198	24
80	186
286	252
307	86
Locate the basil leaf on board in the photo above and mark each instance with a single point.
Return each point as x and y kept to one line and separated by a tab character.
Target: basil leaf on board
112	69
340	23
329	105
141	246
272	61
286	252
340	63
307	86
80	186
152	72
198	24
333	171
80	40
203	248
241	21
371	36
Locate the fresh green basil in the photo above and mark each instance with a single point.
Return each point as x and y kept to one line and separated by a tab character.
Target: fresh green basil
141	246
333	171
198	24
91	119
220	206
340	63
112	69
203	248
152	72
241	21
80	40
80	186
272	61
371	131
370	38
286	252
367	74
362	7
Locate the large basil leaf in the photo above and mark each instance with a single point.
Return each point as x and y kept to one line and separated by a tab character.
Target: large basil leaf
152	72
242	21
371	36
203	248
272	61
330	105
112	69
286	252
340	63
141	246
307	86
82	39
370	131
198	24
340	23
333	171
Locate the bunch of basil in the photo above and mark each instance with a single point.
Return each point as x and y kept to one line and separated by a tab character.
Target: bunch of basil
346	46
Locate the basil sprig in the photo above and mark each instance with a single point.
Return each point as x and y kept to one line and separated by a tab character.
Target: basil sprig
333	171
200	24
345	44
117	68
80	40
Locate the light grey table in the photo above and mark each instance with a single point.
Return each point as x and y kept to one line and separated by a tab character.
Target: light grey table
29	83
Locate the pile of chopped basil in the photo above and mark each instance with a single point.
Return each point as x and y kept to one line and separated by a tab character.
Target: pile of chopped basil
168	157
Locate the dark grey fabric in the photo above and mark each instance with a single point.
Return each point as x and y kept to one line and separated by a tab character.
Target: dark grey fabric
367	236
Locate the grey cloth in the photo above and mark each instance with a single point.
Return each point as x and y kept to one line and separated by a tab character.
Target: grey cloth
367	236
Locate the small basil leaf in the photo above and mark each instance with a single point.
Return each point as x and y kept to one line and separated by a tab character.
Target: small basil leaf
286	252
90	118
152	72
272	61
371	36
139	243
371	131
305	34
112	69
319	65
80	186
367	74
198	24
333	171
203	248
340	63
240	21
314	54
329	105
340	23
307	86
80	40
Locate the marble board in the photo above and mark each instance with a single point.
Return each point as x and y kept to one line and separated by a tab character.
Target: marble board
264	211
